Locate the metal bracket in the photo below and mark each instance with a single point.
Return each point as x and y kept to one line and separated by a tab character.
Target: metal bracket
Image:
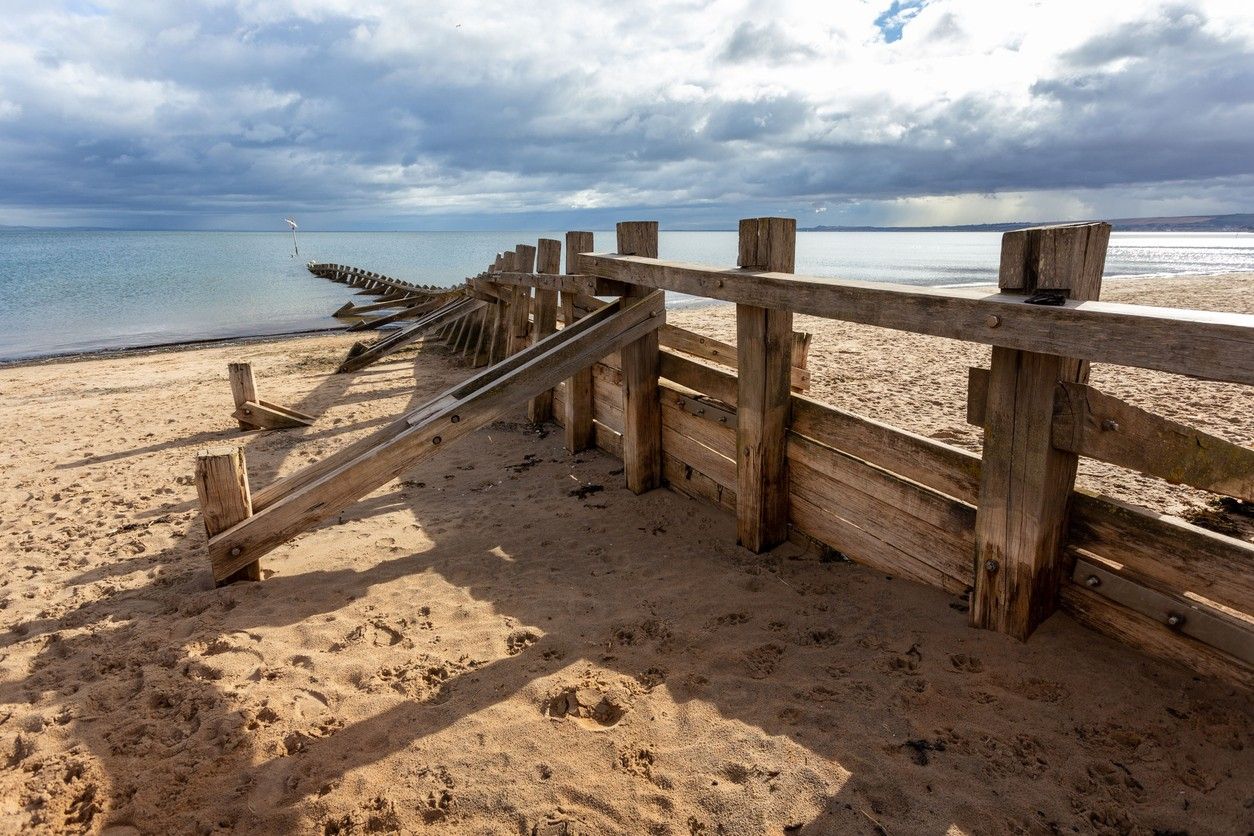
1195	620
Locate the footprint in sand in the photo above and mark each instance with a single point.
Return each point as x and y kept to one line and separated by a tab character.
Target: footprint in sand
761	661
519	640
966	664
586	706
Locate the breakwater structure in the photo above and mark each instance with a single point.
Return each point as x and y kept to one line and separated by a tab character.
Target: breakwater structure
588	348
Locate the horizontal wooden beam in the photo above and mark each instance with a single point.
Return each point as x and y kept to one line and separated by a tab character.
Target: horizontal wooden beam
568	283
708	348
1215	346
1131	627
1091	423
1165	549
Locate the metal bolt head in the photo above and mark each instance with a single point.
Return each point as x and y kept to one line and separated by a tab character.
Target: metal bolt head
1174	620
236	551
1110	425
436	440
455	418
991	566
1092	581
992	320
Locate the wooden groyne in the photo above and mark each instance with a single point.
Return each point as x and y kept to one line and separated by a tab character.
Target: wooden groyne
732	424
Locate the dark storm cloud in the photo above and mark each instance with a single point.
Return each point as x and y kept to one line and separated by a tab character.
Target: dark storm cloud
147	117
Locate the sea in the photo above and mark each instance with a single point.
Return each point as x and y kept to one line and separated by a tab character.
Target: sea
66	292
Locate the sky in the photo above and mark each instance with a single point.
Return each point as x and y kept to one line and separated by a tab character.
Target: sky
380	114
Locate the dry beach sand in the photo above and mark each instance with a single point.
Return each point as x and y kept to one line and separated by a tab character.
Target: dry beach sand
506	641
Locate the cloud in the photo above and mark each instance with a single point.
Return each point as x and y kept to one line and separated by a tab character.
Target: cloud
140	112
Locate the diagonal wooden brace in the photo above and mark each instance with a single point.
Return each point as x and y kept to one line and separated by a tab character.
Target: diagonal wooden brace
302	500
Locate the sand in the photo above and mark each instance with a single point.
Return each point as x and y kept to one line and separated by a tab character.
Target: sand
507	641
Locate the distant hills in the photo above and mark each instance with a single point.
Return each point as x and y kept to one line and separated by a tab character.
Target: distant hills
1182	223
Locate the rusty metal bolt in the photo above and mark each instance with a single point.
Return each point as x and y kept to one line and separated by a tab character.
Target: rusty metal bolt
455	418
1175	620
991	566
436	440
236	552
992	320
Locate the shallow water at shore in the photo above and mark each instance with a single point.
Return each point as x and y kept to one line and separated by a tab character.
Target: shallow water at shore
67	292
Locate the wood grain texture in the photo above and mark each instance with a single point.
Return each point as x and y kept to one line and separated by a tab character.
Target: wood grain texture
243	388
764	366
577	407
1215	346
225	500
1025	482
544	313
1132	628
642	412
1165	549
1091	423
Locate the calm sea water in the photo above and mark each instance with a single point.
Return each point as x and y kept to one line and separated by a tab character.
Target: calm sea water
64	292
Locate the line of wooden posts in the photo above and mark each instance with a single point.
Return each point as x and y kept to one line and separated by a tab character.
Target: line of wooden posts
731	424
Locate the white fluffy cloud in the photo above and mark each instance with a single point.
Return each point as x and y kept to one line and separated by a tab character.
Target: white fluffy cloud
383	113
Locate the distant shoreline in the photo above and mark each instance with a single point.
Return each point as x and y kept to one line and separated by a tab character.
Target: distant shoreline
163	347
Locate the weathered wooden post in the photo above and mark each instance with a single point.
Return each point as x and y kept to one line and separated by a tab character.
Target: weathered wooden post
764	341
548	262
243	389
504	313
1025	482
580	434
642	408
524	262
225	501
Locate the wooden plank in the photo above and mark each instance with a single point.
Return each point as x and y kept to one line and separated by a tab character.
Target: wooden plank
1225	631
409	311
642	414
520	323
263	416
243	388
1130	627
764	363
1216	346
1165	549
569	283
687	480
856	544
1025	483
545	363
708	348
1103	427
945	468
225	501
362	355
548	261
927	526
578	410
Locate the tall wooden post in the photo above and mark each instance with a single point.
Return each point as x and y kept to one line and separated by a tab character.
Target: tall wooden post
225	500
1025	483
642	408
580	434
243	389
504	313
548	261
524	262
764	371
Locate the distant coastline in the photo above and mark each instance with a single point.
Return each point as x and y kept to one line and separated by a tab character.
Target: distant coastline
1182	223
